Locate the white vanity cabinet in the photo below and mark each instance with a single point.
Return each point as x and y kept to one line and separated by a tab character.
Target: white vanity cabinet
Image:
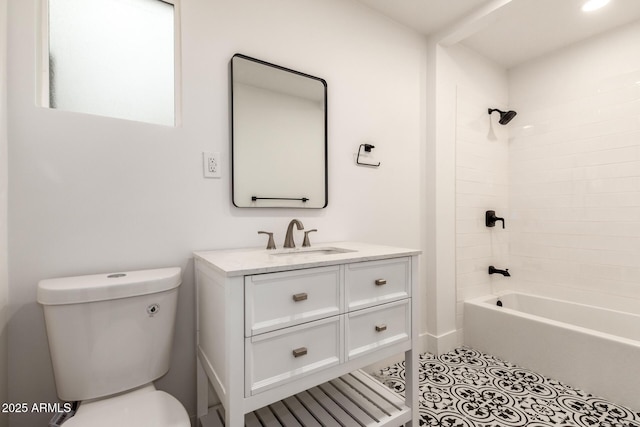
277	300
281	335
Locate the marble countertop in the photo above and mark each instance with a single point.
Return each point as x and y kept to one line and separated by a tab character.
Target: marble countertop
239	262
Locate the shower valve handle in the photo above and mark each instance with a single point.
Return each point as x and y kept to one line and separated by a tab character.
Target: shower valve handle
490	219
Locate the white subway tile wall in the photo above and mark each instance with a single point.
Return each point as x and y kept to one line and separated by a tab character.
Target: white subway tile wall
574	177
482	157
565	174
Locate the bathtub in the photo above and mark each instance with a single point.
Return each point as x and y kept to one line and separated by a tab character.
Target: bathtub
591	348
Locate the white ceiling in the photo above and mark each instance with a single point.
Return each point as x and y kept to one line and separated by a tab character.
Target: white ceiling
425	16
518	30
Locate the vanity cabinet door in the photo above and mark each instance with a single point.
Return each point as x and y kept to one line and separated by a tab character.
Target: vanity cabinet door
377	282
278	300
378	327
279	357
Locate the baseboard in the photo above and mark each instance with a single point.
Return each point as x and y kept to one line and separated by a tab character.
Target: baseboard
439	344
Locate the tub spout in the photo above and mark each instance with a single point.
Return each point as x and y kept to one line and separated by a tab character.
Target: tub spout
504	272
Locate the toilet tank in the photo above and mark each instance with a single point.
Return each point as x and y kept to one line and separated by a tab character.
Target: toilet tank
109	333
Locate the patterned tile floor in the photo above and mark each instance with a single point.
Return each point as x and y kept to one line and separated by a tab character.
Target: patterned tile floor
466	388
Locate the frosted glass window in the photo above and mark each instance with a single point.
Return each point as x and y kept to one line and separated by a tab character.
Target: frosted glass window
113	58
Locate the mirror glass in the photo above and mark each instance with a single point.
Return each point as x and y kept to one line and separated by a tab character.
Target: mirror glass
279	136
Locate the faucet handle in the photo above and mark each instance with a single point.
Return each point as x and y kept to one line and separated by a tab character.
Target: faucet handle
306	243
271	244
490	219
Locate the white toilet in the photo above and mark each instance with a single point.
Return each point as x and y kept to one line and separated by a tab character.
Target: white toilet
110	337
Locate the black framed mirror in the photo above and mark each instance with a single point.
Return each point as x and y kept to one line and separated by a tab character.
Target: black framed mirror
278	136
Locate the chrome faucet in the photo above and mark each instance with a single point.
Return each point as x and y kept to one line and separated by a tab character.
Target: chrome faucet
288	240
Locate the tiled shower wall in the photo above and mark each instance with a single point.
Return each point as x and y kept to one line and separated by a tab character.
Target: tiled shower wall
574	172
481	174
481	184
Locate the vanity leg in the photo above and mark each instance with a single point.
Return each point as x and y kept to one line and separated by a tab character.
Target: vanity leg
202	390
411	390
411	357
234	354
234	418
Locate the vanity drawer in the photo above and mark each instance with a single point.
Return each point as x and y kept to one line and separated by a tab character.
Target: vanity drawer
378	327
377	282
282	356
278	300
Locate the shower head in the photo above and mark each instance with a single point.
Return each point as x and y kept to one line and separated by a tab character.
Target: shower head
505	116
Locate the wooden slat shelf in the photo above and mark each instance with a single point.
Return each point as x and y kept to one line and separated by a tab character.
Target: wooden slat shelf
355	399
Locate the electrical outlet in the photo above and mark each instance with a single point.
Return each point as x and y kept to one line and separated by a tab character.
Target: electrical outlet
211	164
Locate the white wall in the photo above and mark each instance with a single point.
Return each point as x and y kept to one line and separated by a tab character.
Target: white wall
439	203
4	284
575	171
93	194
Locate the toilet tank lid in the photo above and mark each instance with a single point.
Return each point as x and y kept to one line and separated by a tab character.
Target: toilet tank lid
102	287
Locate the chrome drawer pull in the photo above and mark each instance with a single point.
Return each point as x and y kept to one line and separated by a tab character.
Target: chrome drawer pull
380	282
300	297
299	352
381	328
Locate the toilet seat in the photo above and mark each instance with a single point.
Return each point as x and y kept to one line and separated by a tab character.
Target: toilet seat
145	407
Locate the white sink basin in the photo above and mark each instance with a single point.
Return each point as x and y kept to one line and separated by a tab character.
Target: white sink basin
310	251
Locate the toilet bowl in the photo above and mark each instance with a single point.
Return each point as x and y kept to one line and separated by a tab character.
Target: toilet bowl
146	407
110	336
